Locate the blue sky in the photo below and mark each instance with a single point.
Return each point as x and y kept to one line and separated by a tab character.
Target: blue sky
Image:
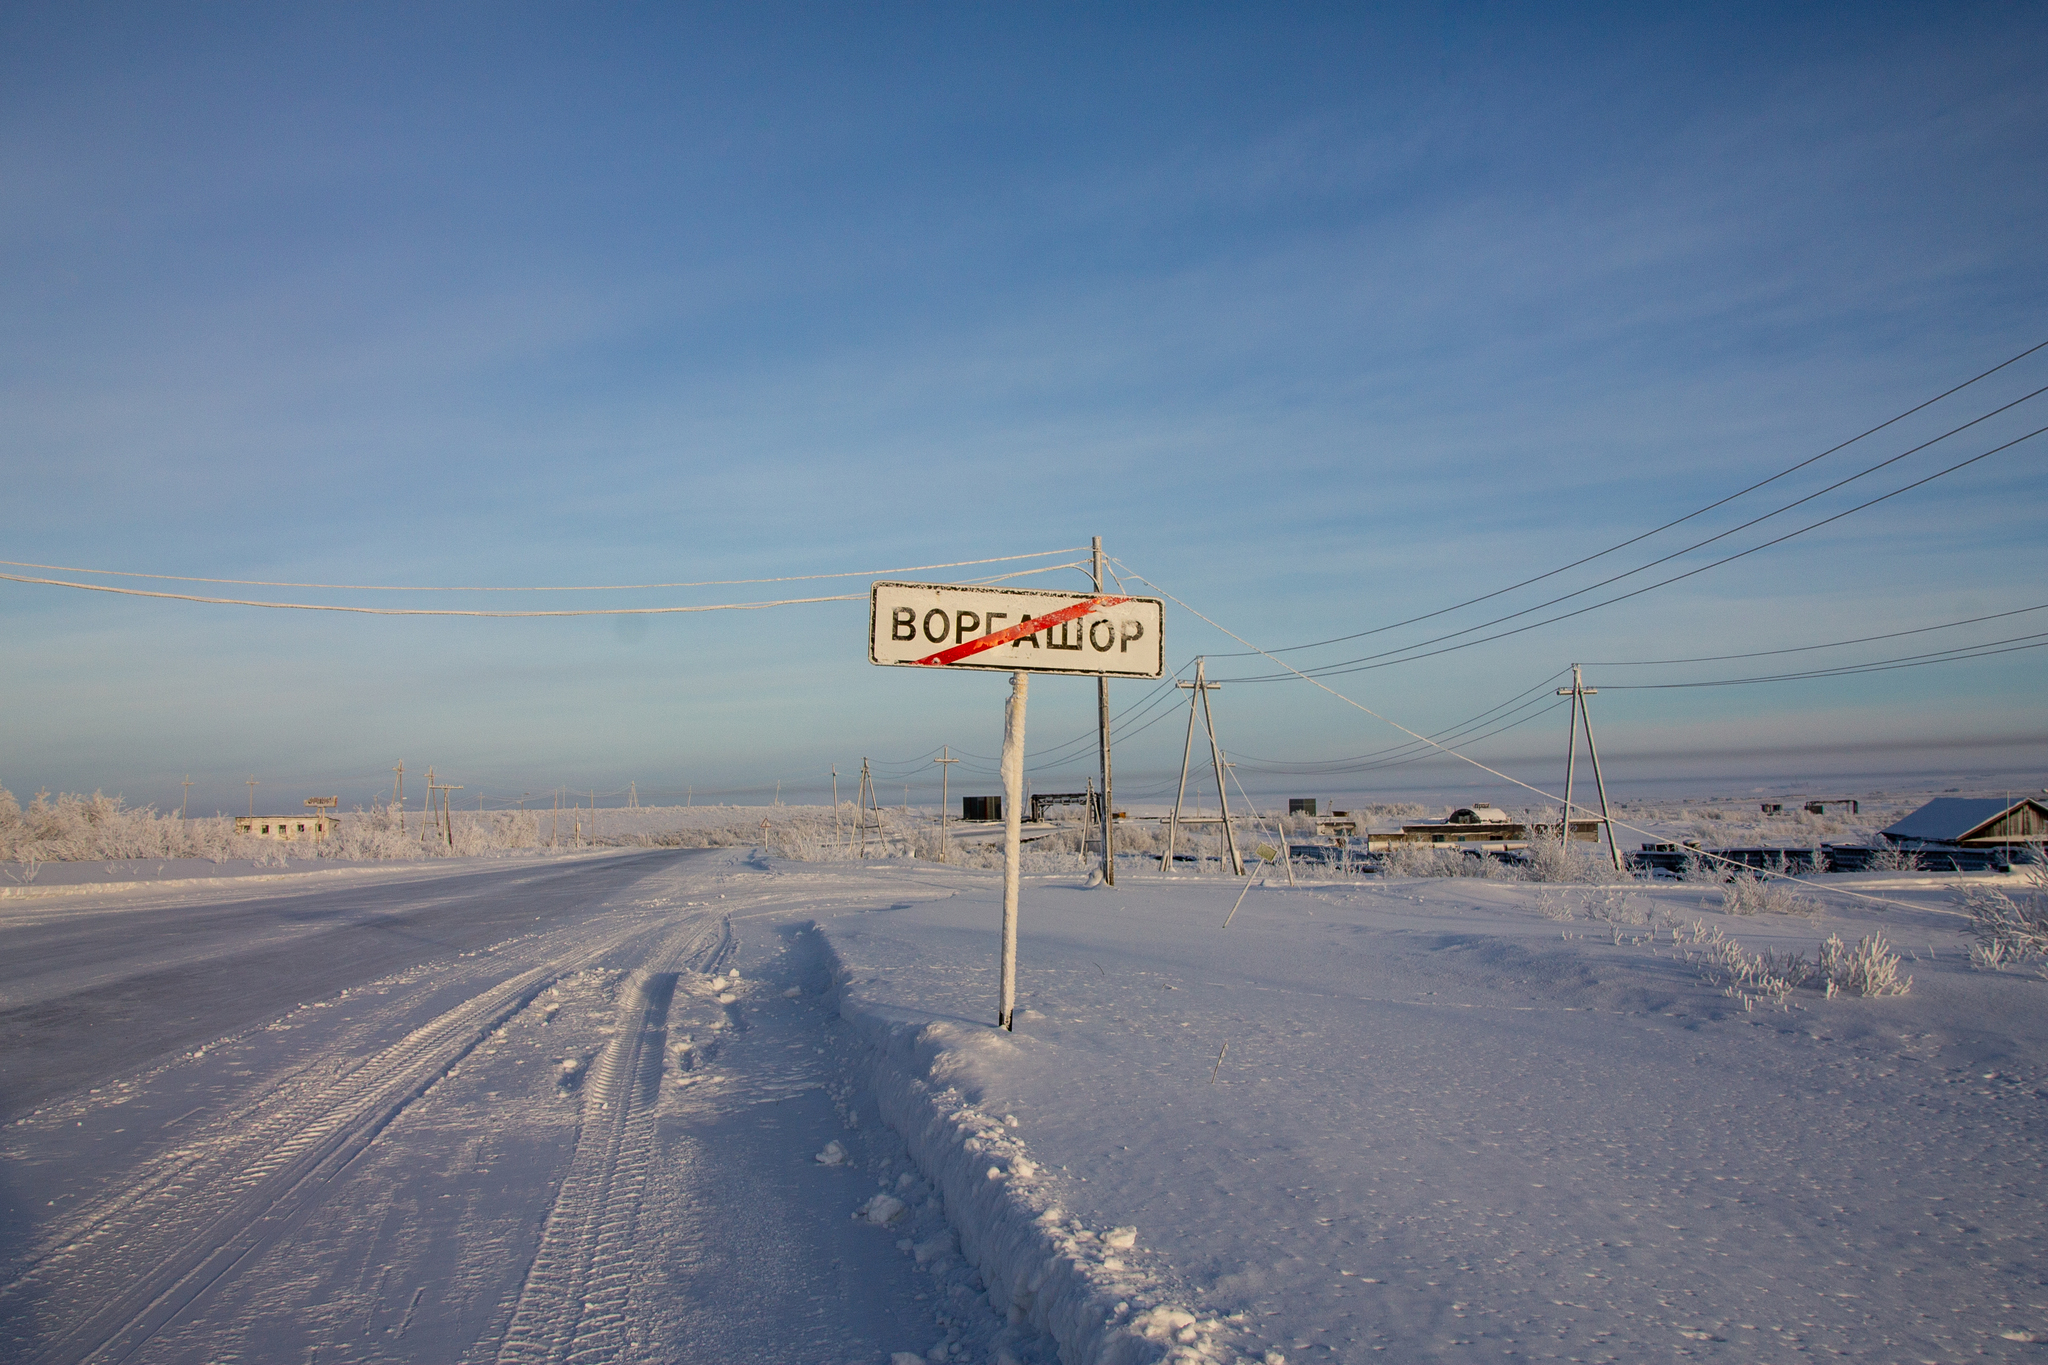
1321	318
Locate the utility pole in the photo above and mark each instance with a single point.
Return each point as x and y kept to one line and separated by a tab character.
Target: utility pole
633	795
1013	839
1578	692
867	787
945	773
1198	697
430	803
444	818
253	785
185	801
1102	743
400	798
835	806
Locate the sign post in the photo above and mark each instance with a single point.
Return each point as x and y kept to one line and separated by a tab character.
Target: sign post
1020	631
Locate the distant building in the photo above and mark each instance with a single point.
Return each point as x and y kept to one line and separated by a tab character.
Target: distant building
1480	828
314	827
1949	822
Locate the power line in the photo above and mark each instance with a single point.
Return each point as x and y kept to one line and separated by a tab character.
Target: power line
1369	661
426	611
1565	807
1798	649
1679	521
612	587
1944	656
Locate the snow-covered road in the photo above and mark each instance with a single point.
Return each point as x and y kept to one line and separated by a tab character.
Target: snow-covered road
523	1114
704	1106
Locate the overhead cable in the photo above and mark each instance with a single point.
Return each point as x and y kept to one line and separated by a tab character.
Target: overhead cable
426	611
608	587
1566	807
1679	521
1369	661
1799	649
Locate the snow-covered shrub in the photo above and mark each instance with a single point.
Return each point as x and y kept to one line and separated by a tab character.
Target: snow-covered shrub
1551	861
1748	894
1699	868
1889	857
1440	860
2011	928
1869	968
70	828
1744	975
1613	905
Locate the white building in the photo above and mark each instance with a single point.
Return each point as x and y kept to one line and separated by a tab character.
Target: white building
315	826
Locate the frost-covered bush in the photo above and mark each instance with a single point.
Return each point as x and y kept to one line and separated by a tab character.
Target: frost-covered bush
1441	860
1549	860
1748	894
1888	857
1869	968
2011	927
1740	973
70	828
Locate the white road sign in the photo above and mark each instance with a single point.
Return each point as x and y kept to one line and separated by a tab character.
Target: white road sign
940	625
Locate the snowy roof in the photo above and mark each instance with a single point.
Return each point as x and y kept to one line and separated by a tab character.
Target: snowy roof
1947	819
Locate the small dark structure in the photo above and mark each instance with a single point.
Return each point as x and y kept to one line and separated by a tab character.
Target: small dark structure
981	808
1301	805
1772	807
1091	808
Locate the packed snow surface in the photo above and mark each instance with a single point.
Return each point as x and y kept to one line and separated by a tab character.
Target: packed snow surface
709	1106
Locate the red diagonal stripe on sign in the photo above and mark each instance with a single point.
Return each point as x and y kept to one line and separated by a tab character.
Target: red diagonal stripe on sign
1017	632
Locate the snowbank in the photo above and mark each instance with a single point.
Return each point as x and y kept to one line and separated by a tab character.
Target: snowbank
1042	1266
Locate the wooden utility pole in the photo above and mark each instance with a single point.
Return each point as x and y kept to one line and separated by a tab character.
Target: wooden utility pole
1102	743
185	801
1198	698
836	840
253	785
945	763
867	791
1578	692
444	818
400	798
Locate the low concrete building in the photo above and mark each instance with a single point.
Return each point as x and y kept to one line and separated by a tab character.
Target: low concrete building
315	827
1480	828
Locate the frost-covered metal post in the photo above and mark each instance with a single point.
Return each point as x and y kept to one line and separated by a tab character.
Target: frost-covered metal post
1013	838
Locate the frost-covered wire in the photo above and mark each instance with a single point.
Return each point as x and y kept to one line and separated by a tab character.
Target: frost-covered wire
1565	807
1696	514
428	611
607	587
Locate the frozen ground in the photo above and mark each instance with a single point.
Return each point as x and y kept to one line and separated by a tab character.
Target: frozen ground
703	1106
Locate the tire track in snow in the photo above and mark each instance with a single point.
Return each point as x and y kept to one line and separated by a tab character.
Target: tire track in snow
137	1258
574	1305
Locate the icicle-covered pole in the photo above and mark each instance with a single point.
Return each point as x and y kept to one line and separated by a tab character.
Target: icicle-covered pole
1013	838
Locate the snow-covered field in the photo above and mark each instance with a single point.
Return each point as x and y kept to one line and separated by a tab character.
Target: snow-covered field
712	1105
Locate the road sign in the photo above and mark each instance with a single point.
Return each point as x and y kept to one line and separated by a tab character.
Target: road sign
940	625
